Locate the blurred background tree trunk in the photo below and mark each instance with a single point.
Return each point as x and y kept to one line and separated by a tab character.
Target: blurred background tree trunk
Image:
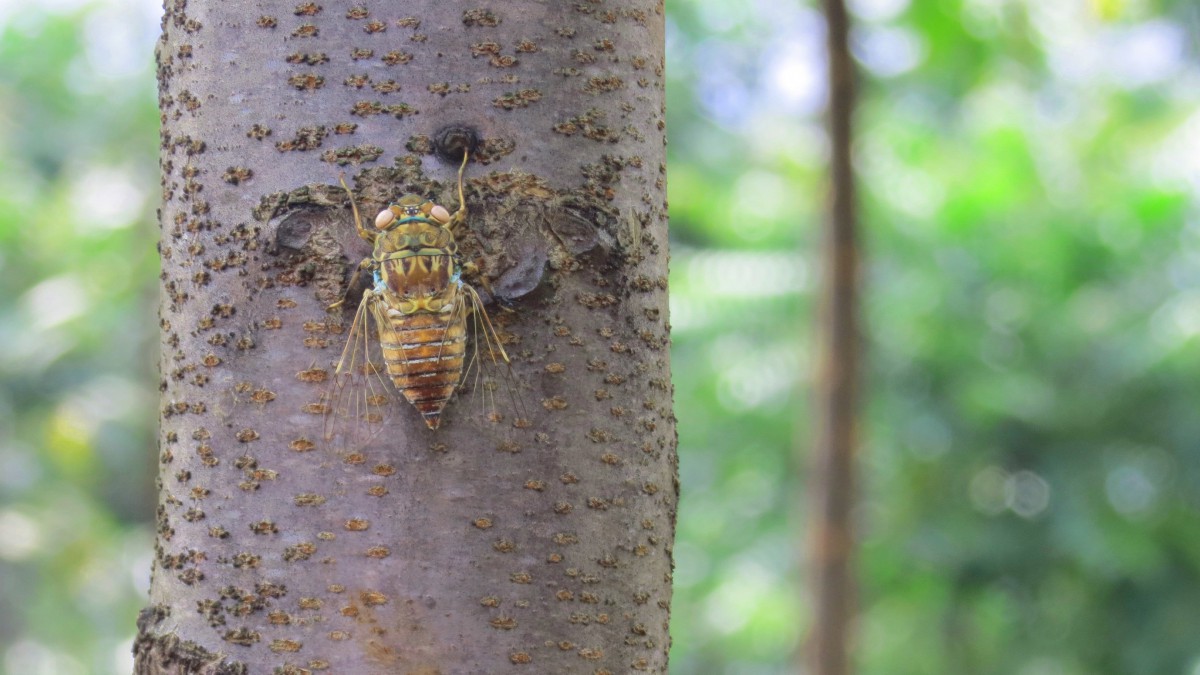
831	483
482	547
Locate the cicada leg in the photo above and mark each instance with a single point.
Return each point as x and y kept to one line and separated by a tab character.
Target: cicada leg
367	235
364	233
471	270
355	278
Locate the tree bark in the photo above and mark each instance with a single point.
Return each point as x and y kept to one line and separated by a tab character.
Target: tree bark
479	547
831	483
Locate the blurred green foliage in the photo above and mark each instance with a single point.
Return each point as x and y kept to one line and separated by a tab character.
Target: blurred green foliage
77	316
1031	468
1031	464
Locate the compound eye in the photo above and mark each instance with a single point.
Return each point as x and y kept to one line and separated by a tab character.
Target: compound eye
440	213
384	219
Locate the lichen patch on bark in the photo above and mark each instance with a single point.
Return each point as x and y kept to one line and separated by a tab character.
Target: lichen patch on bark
520	228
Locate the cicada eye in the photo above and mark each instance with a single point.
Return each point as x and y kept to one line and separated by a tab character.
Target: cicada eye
440	213
384	219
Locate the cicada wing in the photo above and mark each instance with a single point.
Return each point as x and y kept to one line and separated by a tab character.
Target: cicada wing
359	400
489	372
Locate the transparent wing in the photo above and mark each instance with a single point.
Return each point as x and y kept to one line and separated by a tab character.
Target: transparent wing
493	389
359	400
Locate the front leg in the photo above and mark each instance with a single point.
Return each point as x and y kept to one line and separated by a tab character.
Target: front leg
473	272
457	221
364	233
354	280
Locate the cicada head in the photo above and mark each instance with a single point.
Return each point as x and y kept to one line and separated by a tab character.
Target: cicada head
411	206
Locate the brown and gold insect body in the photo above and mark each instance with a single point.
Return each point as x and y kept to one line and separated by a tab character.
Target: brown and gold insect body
419	303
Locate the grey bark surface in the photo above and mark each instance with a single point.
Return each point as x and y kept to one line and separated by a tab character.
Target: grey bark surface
481	547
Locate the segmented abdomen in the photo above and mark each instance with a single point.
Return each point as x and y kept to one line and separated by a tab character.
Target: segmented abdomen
425	353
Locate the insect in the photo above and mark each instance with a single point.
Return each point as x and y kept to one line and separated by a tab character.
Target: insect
420	306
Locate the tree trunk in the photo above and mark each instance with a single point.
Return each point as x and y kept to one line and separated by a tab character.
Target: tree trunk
832	481
480	547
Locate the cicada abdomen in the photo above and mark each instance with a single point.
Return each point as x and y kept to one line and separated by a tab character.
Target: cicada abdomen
423	332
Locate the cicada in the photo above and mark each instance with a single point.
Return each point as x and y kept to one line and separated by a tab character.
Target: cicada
420	306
